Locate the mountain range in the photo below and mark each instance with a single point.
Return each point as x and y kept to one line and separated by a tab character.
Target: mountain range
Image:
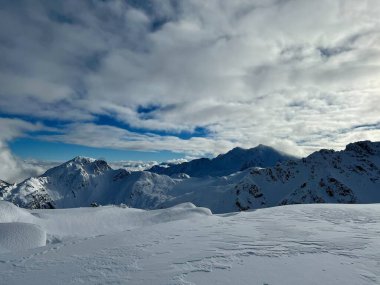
326	176
237	159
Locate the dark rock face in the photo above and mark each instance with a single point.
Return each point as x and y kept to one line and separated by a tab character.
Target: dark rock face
3	185
363	148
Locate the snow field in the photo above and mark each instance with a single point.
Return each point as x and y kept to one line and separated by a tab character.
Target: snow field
20	236
299	244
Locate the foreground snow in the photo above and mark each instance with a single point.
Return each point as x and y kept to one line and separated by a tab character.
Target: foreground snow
301	244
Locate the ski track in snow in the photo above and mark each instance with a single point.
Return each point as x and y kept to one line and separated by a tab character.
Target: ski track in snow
303	244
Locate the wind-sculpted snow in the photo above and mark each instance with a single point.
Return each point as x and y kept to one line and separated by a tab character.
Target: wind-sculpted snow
9	213
20	236
18	229
88	222
298	244
326	176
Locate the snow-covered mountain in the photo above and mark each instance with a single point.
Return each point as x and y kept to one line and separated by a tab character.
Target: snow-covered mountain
237	159
84	181
326	176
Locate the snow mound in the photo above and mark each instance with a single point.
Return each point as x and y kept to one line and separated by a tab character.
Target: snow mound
179	212
20	236
23	229
18	230
64	223
11	213
187	205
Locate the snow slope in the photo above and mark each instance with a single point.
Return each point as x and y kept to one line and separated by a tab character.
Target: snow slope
298	244
83	181
19	236
235	160
18	230
326	176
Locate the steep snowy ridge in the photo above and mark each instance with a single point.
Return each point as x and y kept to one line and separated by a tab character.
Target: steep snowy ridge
326	176
235	160
82	181
58	184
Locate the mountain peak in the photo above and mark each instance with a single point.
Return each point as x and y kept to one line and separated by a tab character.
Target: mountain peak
364	147
81	164
82	160
237	159
237	148
88	161
263	146
260	145
241	150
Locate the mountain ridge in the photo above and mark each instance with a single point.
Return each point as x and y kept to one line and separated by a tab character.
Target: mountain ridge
326	176
237	159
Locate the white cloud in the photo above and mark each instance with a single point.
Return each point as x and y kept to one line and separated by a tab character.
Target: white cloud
112	137
298	75
13	169
132	165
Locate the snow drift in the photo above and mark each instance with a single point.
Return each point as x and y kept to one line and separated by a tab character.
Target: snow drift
297	244
18	230
22	229
20	236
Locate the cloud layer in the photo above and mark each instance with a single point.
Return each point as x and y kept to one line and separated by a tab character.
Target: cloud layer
297	75
12	169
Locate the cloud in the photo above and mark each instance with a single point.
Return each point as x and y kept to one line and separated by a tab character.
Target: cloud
113	137
133	165
13	169
298	75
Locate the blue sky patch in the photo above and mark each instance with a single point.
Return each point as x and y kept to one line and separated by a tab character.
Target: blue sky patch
55	151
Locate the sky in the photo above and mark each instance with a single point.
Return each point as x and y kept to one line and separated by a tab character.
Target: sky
170	79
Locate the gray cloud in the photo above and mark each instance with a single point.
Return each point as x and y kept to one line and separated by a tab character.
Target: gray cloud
298	75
